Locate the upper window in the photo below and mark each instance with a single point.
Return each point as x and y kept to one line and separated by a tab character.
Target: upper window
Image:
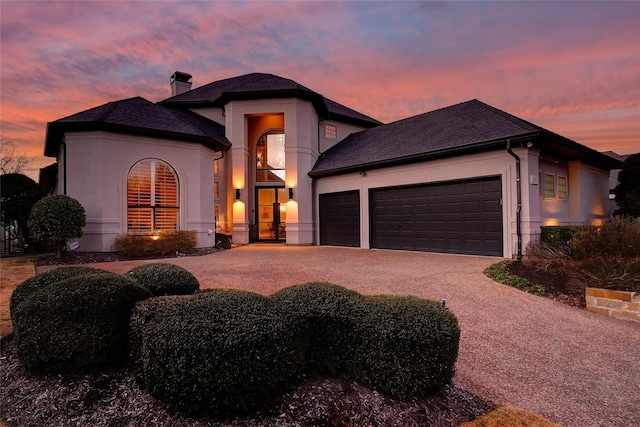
330	132
549	186
562	187
270	161
152	196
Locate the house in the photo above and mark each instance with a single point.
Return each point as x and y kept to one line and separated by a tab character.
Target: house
264	158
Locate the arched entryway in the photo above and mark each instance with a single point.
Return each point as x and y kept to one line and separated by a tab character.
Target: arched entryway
270	194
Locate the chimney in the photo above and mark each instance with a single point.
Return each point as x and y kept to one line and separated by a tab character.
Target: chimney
180	83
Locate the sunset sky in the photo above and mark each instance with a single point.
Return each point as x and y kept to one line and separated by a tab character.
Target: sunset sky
570	67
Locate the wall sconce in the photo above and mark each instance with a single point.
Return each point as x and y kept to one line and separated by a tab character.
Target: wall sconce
237	194
290	193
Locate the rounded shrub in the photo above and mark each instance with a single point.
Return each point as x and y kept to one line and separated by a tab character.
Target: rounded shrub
164	279
143	312
408	346
34	284
221	352
78	324
55	219
328	313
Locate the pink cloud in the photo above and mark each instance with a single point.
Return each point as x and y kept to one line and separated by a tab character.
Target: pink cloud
572	68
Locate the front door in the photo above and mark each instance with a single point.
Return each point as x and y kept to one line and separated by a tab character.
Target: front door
271	214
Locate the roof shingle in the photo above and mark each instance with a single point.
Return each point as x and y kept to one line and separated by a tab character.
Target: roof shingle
138	116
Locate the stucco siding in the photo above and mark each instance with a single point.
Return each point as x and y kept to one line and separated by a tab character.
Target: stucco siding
477	165
98	164
301	136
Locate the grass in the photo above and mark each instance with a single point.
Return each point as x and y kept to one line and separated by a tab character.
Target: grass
14	270
499	273
507	416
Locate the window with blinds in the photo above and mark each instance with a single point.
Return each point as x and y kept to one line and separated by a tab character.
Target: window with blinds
152	197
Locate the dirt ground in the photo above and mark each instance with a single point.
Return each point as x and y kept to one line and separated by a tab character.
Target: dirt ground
13	271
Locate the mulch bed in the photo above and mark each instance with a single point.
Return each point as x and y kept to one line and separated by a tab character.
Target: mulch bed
69	258
113	398
555	283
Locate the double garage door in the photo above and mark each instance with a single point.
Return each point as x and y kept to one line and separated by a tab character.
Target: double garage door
463	217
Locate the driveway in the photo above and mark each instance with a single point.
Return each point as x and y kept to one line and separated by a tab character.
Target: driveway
571	366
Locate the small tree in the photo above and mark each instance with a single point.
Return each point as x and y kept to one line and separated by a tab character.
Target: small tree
18	194
10	162
56	219
628	189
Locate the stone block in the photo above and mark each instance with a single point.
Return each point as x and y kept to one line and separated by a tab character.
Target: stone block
599	310
633	306
609	303
619	295
625	315
595	292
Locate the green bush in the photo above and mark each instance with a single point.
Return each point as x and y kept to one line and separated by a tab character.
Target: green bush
34	284
619	236
76	325
408	346
328	313
143	312
156	243
221	352
164	279
55	219
558	237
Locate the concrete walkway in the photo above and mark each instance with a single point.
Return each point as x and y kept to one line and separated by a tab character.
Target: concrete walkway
571	366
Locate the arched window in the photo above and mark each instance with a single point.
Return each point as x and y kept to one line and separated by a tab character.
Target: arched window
152	196
270	164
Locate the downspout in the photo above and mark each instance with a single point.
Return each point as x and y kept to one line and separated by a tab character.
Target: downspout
519	201
64	168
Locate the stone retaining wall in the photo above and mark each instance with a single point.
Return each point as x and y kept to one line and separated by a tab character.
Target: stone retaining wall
618	304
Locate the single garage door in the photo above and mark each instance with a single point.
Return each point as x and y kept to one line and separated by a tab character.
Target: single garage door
462	217
340	218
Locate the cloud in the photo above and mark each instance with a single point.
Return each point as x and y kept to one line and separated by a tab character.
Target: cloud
572	67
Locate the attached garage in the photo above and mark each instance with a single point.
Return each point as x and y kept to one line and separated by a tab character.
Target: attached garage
340	218
462	217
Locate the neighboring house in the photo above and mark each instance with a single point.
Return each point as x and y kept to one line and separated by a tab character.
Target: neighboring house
613	180
266	159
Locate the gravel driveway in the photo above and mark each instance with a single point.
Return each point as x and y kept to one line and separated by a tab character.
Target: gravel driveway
571	366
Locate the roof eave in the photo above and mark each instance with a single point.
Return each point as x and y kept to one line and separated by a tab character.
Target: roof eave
422	157
56	131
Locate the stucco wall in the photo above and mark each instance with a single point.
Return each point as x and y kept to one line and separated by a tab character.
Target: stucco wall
498	163
301	140
97	168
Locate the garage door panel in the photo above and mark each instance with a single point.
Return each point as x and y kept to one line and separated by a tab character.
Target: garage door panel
452	217
340	219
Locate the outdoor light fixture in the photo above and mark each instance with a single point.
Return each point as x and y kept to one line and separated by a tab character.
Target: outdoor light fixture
290	193
237	194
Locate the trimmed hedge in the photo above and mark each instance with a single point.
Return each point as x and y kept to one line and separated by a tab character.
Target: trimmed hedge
164	279
328	314
34	284
407	346
144	312
223	352
79	324
159	242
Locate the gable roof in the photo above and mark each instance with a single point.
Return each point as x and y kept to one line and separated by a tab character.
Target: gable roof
265	86
137	116
463	128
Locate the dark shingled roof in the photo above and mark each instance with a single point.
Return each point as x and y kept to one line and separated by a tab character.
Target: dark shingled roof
459	129
137	116
265	86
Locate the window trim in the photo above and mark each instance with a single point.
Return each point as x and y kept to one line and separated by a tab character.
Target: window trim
566	187
154	204
553	185
330	131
